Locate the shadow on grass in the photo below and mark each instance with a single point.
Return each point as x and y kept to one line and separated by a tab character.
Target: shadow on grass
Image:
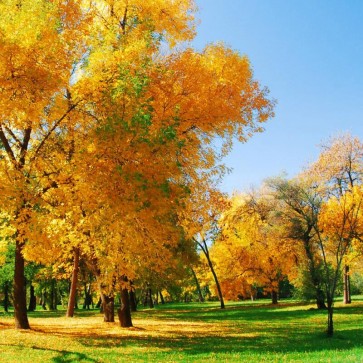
68	357
278	341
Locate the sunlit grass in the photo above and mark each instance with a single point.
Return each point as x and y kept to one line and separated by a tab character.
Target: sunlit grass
254	332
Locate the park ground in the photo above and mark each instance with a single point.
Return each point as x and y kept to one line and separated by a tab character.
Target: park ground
193	332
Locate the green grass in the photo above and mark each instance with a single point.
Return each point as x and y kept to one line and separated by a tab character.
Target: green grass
252	332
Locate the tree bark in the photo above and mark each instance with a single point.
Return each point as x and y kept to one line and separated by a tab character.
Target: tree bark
73	289
124	312
132	297
201	298
20	311
87	297
52	296
33	300
204	248
150	297
108	307
6	296
330	330
346	285
161	297
313	271
274	297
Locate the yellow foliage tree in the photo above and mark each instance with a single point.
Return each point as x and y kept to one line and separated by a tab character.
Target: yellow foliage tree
100	115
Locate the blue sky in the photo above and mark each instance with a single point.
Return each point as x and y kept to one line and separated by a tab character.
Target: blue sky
309	53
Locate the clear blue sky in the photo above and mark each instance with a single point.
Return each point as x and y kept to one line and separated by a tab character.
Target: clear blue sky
309	53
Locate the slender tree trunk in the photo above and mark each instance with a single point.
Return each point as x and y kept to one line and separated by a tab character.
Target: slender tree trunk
161	297
330	330
20	311
52	297
124	312
150	297
204	248
274	297
73	289
346	285
132	297
43	299
33	300
6	296
201	298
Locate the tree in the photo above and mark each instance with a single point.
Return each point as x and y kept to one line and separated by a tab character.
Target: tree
90	104
335	179
251	249
297	212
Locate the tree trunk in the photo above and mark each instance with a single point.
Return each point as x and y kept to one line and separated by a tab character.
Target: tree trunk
52	297
150	297
330	330
274	297
73	289
124	312
201	298
132	297
20	312
220	295
204	248
33	300
87	297
43	299
313	271
346	285
161	297
320	300
108	307
6	296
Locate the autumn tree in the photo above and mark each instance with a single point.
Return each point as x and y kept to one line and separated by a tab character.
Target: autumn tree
251	249
91	102
340	168
297	211
334	181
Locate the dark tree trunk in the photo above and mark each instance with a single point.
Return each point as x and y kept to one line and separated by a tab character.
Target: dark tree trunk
201	298
87	297
150	297
320	299
33	300
132	297
274	297
346	285
43	299
330	330
6	297
52	296
220	295
204	247
20	311
124	312
108	307
73	289
313	271
161	297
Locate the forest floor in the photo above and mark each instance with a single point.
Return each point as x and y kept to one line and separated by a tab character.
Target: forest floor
193	332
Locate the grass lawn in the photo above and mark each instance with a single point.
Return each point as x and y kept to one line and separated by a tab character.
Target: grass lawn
243	332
